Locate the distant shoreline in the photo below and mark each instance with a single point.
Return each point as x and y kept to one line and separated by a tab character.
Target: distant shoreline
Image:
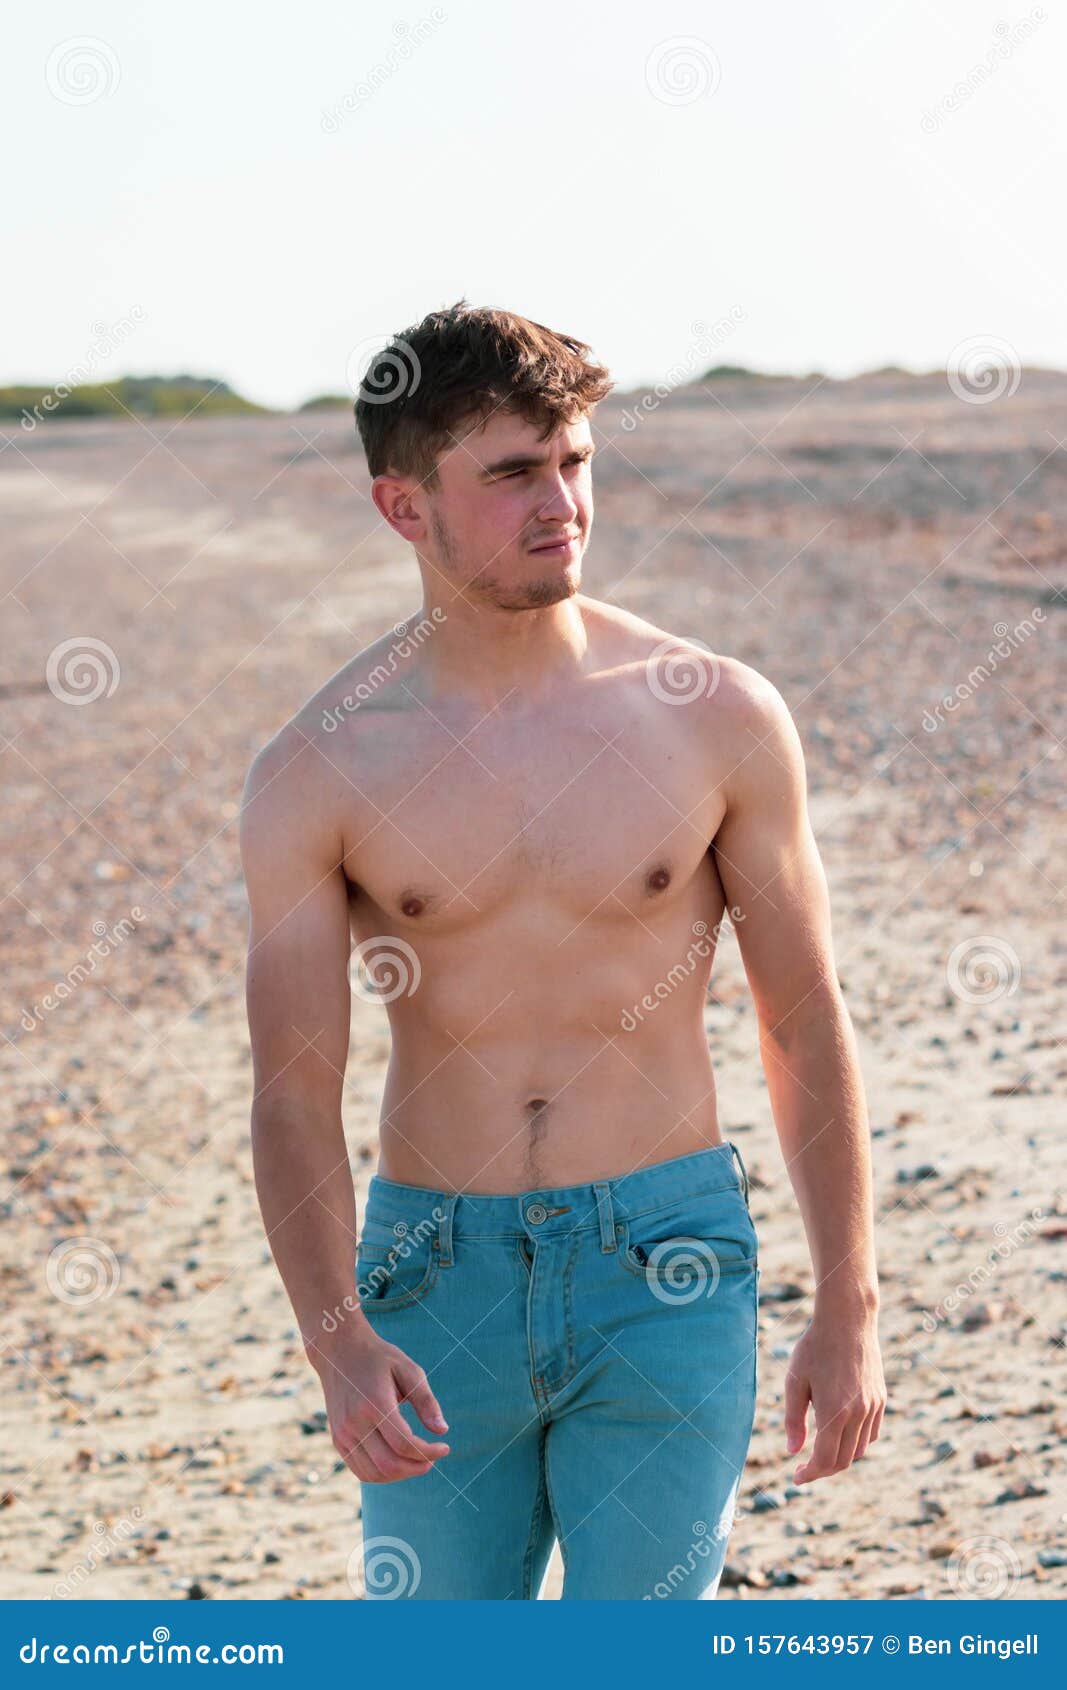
179	396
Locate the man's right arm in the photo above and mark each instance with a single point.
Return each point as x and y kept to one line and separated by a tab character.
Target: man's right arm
299	1000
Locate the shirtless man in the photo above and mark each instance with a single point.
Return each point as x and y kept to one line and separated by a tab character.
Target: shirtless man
529	810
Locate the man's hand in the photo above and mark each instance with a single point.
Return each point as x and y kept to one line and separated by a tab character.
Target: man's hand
837	1367
364	1381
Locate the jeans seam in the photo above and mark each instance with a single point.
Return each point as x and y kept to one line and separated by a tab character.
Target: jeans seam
683	1197
568	1322
552	1506
535	1523
755	1337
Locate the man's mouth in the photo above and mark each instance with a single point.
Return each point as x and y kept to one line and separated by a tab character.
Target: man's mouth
561	545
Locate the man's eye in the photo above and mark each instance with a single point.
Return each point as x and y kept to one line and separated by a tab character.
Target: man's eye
572	463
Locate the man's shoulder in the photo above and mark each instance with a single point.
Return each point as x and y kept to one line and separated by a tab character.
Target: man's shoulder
367	686
296	775
685	668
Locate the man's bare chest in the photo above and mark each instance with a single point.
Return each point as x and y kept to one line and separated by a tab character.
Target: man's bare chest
584	817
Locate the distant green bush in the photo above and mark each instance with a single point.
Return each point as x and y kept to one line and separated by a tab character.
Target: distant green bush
328	402
153	396
730	372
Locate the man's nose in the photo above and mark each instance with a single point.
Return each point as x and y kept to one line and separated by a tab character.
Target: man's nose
560	506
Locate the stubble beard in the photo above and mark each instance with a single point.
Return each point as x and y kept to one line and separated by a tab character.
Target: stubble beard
485	588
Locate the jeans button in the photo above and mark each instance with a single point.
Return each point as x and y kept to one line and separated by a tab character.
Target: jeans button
536	1213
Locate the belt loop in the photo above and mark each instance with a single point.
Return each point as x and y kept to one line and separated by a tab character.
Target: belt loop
443	1213
741	1167
606	1214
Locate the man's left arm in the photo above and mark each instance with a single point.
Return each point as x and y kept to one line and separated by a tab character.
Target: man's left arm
770	869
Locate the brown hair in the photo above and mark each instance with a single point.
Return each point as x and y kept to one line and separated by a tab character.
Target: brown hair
458	366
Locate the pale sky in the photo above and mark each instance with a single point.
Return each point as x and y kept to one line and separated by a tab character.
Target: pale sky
250	191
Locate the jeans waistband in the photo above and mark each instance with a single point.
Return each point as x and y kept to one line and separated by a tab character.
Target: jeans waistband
591	1206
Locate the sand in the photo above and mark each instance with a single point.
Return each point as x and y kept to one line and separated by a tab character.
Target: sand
863	544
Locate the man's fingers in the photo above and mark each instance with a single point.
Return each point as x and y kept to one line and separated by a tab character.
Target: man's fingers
797	1397
823	1455
850	1437
384	1447
406	1443
415	1390
389	1464
359	1462
866	1436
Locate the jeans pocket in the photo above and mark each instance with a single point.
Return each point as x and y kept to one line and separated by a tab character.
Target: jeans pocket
395	1265
687	1247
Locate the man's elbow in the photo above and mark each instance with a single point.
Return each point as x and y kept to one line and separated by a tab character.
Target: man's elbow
818	1009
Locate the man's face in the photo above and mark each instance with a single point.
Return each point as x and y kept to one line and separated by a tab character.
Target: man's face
504	497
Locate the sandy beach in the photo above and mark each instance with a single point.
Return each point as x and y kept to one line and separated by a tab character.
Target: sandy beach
174	591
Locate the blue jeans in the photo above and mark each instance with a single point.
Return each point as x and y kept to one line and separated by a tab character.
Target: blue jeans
593	1349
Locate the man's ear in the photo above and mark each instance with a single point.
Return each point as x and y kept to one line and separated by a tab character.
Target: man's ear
396	500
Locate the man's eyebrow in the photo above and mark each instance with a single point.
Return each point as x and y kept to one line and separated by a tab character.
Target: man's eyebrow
531	460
